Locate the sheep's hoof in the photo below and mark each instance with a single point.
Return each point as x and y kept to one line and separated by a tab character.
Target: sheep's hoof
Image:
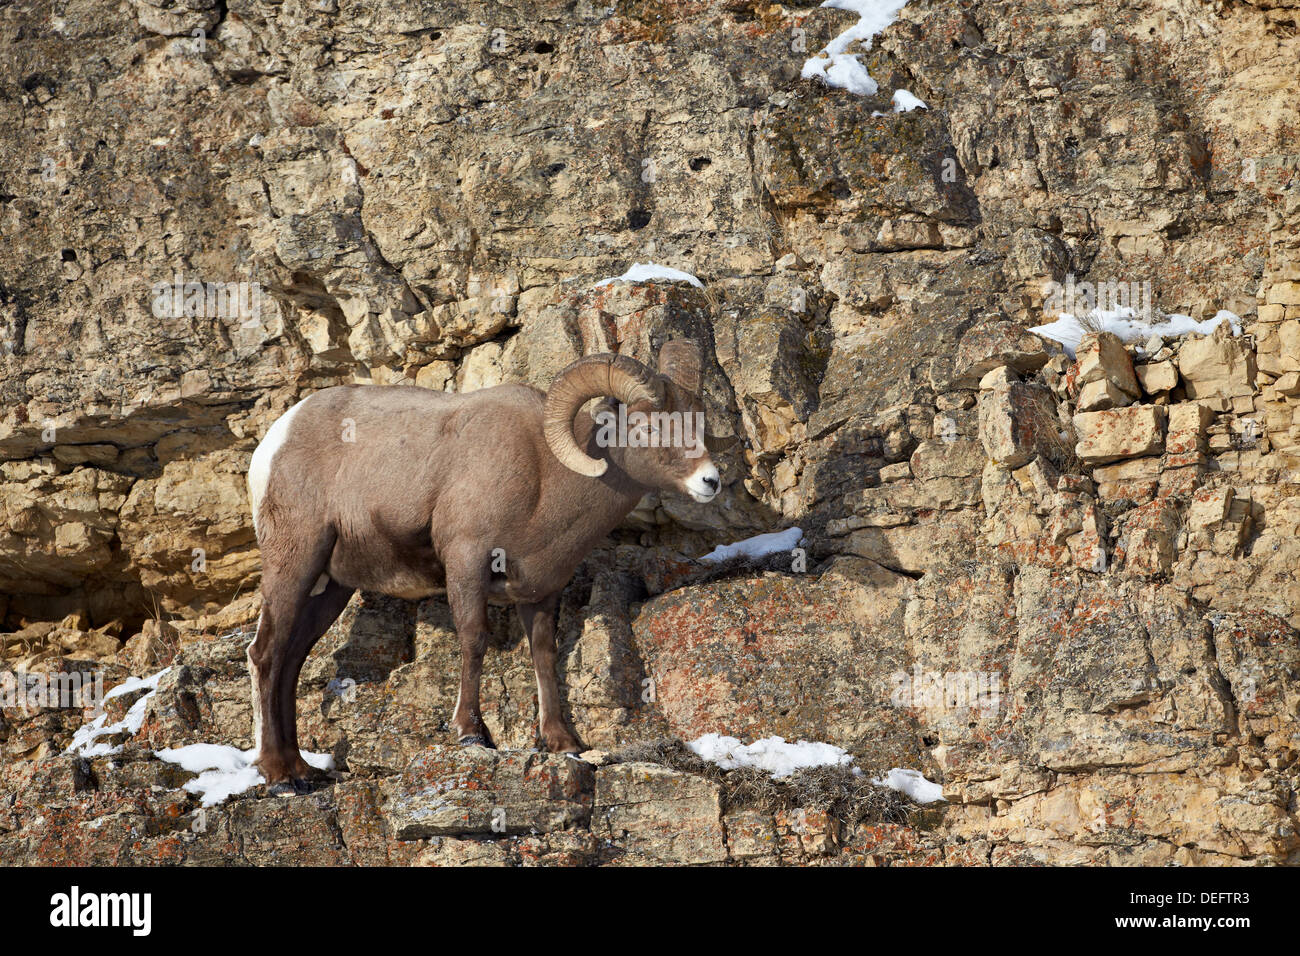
293	788
562	745
474	740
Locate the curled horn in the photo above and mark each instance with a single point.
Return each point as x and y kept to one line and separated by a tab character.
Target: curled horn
679	360
595	376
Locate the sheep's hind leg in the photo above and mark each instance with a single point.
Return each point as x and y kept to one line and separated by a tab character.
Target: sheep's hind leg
290	569
318	613
539	623
275	759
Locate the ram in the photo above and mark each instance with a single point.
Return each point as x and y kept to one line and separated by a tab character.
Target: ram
494	496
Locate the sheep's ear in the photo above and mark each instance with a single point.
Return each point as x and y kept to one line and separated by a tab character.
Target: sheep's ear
679	360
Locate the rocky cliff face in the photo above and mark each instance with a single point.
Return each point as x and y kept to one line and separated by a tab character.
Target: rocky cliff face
1063	586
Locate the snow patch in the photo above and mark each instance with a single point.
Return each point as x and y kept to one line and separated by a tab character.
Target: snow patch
759	546
224	771
839	68
905	102
772	754
911	783
781	759
649	272
1069	330
85	742
132	684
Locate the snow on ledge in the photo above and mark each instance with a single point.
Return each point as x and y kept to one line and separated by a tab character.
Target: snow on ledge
781	759
1069	330
905	102
759	546
836	67
224	771
911	783
772	754
650	272
85	742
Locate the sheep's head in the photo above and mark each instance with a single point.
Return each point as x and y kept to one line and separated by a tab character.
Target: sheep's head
654	428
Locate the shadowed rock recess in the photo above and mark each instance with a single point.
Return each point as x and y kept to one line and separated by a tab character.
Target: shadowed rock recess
1064	586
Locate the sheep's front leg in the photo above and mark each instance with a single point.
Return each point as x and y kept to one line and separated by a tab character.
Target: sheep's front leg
467	595
539	623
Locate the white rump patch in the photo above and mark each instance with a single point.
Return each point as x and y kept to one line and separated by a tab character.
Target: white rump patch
259	469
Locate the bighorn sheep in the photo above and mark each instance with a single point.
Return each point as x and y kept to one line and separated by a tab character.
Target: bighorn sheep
409	492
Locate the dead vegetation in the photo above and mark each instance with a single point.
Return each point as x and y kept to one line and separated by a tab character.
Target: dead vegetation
838	791
739	566
1055	432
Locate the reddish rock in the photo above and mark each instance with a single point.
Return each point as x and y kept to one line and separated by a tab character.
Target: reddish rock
799	656
1120	433
460	790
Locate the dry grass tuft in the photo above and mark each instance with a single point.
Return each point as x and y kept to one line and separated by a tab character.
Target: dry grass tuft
1055	436
837	791
740	566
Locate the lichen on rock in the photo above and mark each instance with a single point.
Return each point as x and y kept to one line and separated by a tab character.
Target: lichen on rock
1062	586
